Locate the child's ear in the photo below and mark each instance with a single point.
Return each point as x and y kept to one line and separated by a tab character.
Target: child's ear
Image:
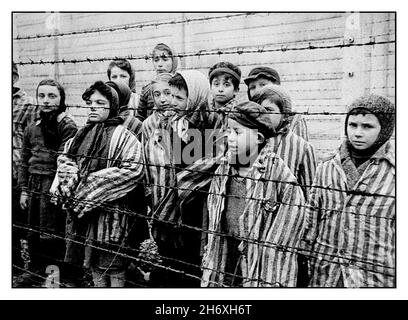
261	138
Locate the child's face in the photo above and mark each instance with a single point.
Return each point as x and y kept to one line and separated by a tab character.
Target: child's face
119	75
99	107
275	114
255	85
242	142
222	89
178	98
162	62
49	98
161	94
363	130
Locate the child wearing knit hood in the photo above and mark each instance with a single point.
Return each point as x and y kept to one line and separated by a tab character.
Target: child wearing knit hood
164	61
351	212
103	162
242	228
42	141
261	76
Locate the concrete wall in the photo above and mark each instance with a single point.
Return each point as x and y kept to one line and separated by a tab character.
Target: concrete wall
319	80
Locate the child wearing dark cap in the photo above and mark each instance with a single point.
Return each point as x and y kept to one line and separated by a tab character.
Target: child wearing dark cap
251	242
103	163
351	211
262	76
164	61
42	141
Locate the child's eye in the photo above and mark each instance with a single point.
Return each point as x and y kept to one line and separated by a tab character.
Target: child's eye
88	102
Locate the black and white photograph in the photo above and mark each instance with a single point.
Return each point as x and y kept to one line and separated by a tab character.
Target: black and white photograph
193	149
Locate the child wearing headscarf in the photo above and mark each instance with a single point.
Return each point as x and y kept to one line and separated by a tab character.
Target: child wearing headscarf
125	95
190	102
104	166
164	61
351	211
255	209
42	141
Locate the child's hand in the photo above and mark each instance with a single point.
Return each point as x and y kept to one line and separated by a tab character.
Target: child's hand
24	200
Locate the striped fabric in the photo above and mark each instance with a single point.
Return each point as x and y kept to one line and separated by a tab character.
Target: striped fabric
157	155
132	123
299	155
277	219
124	168
298	126
354	241
24	113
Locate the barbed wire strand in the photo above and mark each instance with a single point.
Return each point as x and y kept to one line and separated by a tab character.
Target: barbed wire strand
172	166
310	46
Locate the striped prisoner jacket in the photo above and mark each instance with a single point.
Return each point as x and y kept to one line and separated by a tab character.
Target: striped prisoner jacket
298	126
298	154
278	219
353	236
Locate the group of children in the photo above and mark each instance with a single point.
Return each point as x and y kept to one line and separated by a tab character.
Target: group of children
229	189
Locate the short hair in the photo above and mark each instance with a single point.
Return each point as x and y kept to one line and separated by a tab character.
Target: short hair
101	87
54	83
124	65
178	81
228	65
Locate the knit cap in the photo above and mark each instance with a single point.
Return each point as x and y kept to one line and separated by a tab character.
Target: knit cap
275	92
382	108
253	116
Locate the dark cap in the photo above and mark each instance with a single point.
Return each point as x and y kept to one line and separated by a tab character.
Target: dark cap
265	72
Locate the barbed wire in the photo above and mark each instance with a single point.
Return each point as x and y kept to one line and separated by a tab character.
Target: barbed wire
180	168
262	49
292	113
265	243
132	26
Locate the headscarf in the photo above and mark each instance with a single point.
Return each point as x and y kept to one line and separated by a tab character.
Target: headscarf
123	91
95	135
171	52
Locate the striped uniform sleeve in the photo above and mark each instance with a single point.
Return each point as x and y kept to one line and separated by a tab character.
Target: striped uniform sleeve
312	212
307	169
279	260
124	169
25	157
299	127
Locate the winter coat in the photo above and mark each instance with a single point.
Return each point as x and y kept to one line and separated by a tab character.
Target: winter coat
351	221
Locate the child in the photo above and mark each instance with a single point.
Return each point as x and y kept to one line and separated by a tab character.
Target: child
190	94
351	210
164	61
24	113
121	71
298	154
105	161
43	139
156	141
262	76
252	242
129	121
